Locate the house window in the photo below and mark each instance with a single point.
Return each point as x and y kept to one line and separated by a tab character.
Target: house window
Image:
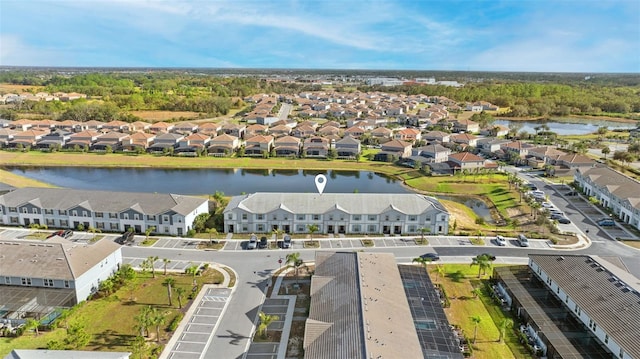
151	218
606	338
50	222
165	218
48	282
64	223
397	217
62	212
113	226
125	215
7	280
260	228
373	217
413	218
13	209
245	228
100	225
372	228
566	300
84	214
331	217
74	213
275	217
412	229
356	228
113	215
316	217
356	217
244	217
48	211
259	217
386	218
25	210
136	217
26	281
67	284
99	214
14	220
166	229
558	290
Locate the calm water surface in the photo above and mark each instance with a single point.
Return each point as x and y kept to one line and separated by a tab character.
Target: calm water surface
569	126
208	181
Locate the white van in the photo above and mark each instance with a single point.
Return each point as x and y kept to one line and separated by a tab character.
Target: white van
523	240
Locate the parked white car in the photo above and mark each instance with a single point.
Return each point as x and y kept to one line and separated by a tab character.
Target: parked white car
501	241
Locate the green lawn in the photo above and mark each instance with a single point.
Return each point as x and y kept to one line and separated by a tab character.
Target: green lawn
459	281
110	320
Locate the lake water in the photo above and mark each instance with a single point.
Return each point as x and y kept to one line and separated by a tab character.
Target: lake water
568	126
208	181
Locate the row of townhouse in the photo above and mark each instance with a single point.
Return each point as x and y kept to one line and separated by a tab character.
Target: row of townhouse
107	211
347	213
613	190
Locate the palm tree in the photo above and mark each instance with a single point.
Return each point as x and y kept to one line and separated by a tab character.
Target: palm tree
212	232
294	259
148	231
157	319
32	324
93	231
165	261
169	282
193	270
423	231
277	233
476	319
143	321
180	294
152	264
312	228
422	261
503	325
265	321
439	270
476	292
605	151
483	262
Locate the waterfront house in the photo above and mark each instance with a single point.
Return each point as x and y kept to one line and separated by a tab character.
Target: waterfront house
287	146
223	145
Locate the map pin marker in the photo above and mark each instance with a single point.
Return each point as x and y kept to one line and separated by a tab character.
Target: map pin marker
321	181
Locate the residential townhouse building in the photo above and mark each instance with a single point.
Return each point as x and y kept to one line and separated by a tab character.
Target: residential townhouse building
161	127
613	190
437	152
466	161
53	274
165	141
82	139
107	211
316	147
348	213
439	136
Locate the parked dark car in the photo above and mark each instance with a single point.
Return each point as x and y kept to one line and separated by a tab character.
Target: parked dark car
606	222
263	242
431	256
563	220
126	237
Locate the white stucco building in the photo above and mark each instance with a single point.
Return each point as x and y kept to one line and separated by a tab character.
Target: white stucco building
352	213
169	214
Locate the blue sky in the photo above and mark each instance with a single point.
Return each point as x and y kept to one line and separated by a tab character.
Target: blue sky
512	35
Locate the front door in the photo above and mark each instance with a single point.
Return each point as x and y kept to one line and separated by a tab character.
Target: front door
397	229
386	229
341	229
231	228
330	228
287	228
27	221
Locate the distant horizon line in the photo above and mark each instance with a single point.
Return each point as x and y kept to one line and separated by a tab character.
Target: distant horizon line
300	69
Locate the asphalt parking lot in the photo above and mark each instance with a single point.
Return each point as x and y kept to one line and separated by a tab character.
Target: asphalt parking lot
269	350
193	340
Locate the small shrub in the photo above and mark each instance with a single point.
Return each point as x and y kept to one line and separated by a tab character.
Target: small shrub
175	322
480	220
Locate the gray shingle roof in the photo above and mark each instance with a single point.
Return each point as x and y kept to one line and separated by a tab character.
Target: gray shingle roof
357	203
607	294
101	201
